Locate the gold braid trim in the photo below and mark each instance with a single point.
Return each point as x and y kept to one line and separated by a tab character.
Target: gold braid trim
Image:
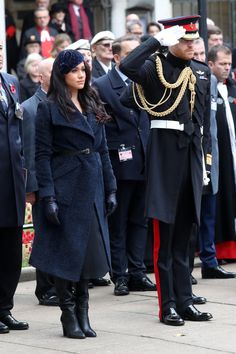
185	78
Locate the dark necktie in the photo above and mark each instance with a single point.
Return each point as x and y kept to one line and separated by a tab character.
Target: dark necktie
128	81
3	98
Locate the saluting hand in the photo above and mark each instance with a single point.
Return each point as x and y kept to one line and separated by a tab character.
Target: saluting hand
170	36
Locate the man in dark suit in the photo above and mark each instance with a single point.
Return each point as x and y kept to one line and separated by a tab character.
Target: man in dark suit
220	61
45	290
206	232
101	45
12	197
80	19
127	136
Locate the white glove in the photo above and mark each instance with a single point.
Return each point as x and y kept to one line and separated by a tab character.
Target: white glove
170	36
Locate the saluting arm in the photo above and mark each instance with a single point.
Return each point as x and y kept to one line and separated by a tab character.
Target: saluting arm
134	65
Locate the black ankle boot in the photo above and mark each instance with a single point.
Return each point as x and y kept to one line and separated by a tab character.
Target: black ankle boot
82	299
70	324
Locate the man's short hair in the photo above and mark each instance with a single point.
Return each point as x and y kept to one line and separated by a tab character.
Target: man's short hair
116	45
131	24
211	29
212	54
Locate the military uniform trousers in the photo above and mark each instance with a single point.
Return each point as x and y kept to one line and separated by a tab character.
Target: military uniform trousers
171	251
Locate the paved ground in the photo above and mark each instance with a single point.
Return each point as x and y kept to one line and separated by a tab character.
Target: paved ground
128	324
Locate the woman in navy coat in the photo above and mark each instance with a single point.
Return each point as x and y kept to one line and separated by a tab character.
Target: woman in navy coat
76	189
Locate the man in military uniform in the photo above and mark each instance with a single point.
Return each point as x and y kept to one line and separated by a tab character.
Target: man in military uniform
175	91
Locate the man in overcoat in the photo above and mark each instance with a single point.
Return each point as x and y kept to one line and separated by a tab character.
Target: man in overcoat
206	232
45	290
127	136
175	91
12	197
220	61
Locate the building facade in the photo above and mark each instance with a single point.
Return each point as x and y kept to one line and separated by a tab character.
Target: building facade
110	14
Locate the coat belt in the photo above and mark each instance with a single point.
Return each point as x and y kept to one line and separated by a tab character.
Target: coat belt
86	151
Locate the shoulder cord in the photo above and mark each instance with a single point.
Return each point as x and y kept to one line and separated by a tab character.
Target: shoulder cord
185	78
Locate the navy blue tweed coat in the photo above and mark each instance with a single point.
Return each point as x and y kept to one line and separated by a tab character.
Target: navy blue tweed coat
77	181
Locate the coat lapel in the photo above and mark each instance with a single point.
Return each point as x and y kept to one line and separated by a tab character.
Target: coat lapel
75	120
11	90
119	86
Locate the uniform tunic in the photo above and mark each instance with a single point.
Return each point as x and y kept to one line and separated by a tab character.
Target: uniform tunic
167	148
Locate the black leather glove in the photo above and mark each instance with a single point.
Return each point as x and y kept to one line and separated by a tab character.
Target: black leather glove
111	203
51	210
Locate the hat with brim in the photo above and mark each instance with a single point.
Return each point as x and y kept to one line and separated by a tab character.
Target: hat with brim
31	40
189	23
108	35
80	44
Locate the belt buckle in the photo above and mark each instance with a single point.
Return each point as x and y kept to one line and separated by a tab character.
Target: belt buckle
86	151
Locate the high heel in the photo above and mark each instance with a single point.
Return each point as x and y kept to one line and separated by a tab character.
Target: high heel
82	315
70	324
82	300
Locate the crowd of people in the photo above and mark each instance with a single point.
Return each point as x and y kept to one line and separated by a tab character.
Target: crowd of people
113	140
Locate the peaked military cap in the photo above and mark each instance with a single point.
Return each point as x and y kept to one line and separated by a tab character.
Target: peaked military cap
31	39
189	23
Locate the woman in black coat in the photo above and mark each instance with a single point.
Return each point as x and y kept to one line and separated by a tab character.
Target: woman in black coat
76	189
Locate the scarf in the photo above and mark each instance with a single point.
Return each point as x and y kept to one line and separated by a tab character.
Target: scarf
86	32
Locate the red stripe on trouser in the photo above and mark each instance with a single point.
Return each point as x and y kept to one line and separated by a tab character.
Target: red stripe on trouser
156	231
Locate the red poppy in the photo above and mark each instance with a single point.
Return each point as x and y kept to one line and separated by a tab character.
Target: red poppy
12	88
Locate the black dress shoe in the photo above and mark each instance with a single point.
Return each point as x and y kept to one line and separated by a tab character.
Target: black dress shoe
13	324
141	284
100	282
121	287
198	300
216	273
172	318
193	280
193	314
49	300
3	328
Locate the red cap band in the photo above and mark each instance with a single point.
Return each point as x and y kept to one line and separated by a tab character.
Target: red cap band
190	27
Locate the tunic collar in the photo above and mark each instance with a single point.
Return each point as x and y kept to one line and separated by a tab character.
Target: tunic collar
177	62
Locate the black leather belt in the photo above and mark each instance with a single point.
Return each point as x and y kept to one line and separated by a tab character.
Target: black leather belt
86	151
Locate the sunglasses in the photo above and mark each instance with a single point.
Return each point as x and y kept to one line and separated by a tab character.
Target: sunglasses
106	45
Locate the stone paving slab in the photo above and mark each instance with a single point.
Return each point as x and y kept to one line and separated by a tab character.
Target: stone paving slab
128	324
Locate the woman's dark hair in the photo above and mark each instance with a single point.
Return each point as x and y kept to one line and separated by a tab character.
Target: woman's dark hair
88	96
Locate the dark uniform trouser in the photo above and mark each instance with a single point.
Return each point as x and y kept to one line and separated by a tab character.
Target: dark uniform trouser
128	230
171	252
10	266
44	281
